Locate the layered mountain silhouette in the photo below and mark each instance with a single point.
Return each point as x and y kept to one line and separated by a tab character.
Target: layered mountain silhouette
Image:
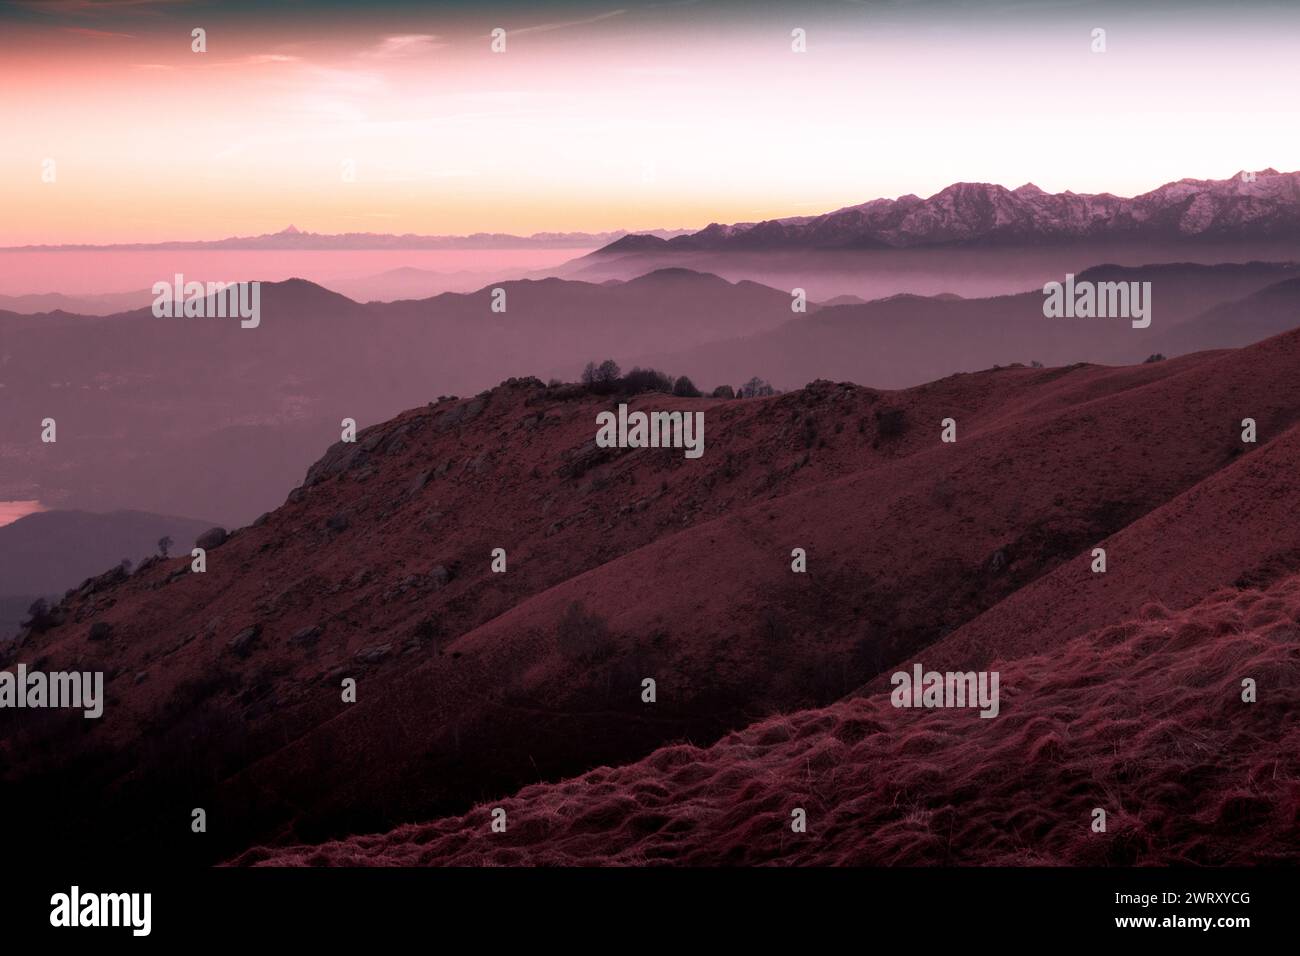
200	416
291	237
625	564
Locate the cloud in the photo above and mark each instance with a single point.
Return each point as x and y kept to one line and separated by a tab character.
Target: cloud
565	24
403	45
98	34
83	7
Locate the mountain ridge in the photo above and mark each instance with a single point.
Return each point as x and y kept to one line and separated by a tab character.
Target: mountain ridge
963	214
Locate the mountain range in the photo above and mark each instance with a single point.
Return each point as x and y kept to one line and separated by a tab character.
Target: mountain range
203	417
293	238
1260	205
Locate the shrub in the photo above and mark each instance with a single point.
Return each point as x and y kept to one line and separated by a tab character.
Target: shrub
39	618
891	422
1153	358
724	391
582	636
773	627
809	432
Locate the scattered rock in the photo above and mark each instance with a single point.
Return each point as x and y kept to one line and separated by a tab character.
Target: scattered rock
422	479
212	538
461	414
374	654
337	522
100	631
241	645
307	635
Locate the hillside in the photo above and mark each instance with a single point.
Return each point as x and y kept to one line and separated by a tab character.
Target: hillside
1143	719
621	566
44	554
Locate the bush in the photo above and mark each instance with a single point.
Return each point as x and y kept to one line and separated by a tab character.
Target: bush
724	391
685	388
891	422
39	618
582	636
1153	358
773	627
644	380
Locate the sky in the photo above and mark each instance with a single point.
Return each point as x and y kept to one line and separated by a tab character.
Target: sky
399	117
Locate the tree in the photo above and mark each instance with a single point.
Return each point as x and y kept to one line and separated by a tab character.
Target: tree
685	388
644	380
724	391
39	618
602	377
757	388
164	544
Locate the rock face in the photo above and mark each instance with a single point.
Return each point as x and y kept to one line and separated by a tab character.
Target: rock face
241	645
212	538
1267	206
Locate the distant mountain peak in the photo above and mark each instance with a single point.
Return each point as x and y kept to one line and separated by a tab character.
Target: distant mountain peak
1260	205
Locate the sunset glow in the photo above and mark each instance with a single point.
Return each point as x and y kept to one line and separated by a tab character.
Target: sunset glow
602	118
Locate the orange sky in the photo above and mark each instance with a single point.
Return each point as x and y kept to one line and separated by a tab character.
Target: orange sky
600	119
